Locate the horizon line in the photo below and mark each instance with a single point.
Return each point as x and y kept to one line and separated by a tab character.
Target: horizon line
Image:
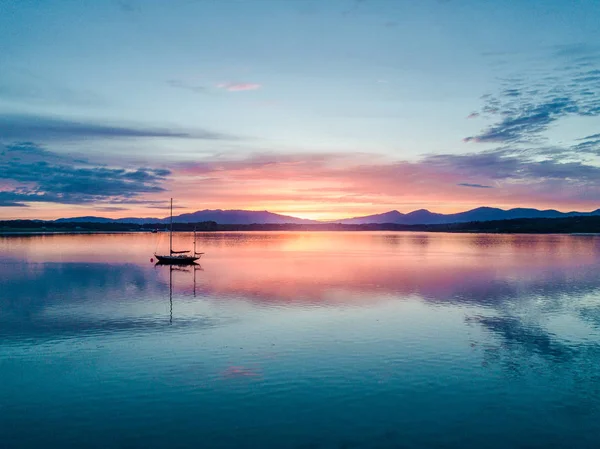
326	221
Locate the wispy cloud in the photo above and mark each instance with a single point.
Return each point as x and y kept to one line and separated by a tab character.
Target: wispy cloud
588	145
112	209
238	87
316	183
127	6
566	85
42	128
500	177
5	201
180	84
504	165
35	174
527	124
352	8
478	186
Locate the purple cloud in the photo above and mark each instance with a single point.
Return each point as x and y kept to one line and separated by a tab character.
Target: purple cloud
478	186
34	174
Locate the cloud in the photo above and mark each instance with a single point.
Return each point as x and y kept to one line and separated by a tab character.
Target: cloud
167	206
238	87
593	136
478	186
504	165
5	202
588	145
127	6
34	174
111	209
352	8
293	182
40	128
528	124
564	84
492	165
315	183
180	84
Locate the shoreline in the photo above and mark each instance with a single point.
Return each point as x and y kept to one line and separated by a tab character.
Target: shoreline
429	231
569	225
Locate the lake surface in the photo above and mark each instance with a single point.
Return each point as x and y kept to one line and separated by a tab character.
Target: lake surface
301	340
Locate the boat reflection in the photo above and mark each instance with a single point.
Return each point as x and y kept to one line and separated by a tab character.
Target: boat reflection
185	268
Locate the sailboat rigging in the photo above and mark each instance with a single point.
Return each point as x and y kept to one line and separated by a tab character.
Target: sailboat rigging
178	257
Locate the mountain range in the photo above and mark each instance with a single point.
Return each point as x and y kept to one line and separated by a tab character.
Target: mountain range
220	216
421	216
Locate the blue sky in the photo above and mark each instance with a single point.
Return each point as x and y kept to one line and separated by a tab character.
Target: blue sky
283	100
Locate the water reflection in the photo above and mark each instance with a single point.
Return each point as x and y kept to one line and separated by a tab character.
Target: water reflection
62	300
283	269
192	267
325	339
530	338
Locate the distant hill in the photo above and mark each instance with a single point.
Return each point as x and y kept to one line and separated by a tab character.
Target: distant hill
417	217
563	225
423	216
92	219
238	217
87	219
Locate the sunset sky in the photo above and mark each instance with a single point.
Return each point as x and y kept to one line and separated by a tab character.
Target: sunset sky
313	108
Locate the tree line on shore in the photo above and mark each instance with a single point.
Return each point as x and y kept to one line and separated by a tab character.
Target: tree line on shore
522	225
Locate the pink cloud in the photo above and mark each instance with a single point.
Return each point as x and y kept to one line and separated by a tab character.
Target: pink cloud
238	87
339	185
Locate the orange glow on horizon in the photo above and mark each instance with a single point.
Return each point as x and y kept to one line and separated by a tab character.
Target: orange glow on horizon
323	187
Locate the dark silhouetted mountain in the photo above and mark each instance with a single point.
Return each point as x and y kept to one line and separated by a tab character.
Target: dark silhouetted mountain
417	217
89	219
392	216
238	217
423	216
219	216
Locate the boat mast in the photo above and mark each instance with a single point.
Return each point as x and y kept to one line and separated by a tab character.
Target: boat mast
171	231
171	294
194	240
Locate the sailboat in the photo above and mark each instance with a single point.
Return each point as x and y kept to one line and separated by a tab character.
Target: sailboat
178	257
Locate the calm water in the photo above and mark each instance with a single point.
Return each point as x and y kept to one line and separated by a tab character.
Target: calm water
301	340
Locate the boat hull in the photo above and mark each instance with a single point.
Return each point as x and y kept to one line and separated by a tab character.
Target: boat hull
177	260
